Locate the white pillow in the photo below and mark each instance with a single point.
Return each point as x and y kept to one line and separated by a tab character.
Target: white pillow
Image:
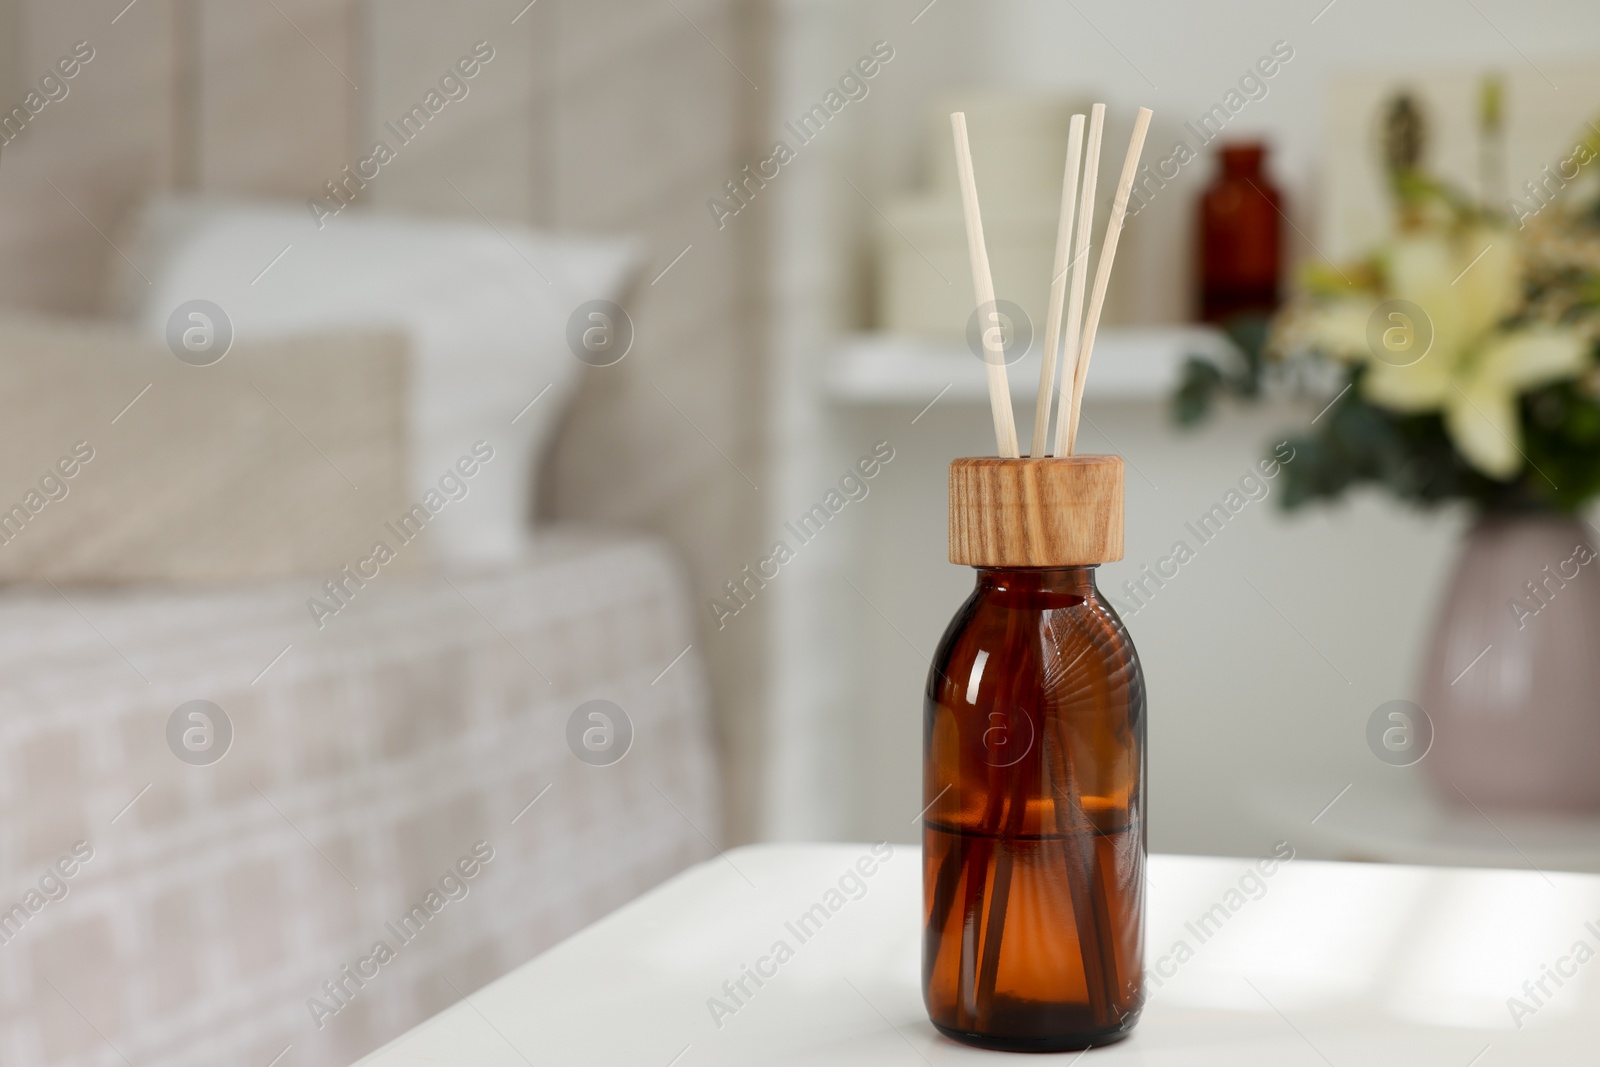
485	310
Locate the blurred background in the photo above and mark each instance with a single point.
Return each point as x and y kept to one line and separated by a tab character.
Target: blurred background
403	404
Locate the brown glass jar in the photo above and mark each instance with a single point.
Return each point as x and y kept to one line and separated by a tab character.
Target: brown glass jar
1034	836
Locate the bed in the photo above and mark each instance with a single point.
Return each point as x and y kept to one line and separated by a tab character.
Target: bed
421	733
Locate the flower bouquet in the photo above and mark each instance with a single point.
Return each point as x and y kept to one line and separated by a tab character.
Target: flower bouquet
1457	359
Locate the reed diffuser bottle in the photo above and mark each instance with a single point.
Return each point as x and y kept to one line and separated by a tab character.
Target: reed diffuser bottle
1033	839
1034	749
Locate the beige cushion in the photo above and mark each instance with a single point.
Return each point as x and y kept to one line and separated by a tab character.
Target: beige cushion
283	458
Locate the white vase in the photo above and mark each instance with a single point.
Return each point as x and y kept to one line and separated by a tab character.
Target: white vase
1512	676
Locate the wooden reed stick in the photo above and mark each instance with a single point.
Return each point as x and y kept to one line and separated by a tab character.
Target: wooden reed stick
1005	426
1096	943
1006	848
1004	795
1058	290
1102	277
1080	263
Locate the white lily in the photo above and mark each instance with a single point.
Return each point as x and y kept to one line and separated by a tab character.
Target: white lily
1481	416
1472	369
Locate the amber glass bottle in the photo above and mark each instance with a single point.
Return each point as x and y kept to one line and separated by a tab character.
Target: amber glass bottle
1034	838
1241	241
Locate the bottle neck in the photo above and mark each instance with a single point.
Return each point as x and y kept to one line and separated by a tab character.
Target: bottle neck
1243	161
1038	587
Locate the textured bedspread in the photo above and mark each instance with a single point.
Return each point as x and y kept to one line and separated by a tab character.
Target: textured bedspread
365	852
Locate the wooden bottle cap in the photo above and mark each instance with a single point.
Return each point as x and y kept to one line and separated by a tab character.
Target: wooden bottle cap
1062	511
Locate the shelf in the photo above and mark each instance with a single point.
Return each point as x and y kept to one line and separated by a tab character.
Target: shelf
1129	364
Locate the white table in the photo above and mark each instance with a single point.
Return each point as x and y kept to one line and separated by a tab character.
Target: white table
1320	963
